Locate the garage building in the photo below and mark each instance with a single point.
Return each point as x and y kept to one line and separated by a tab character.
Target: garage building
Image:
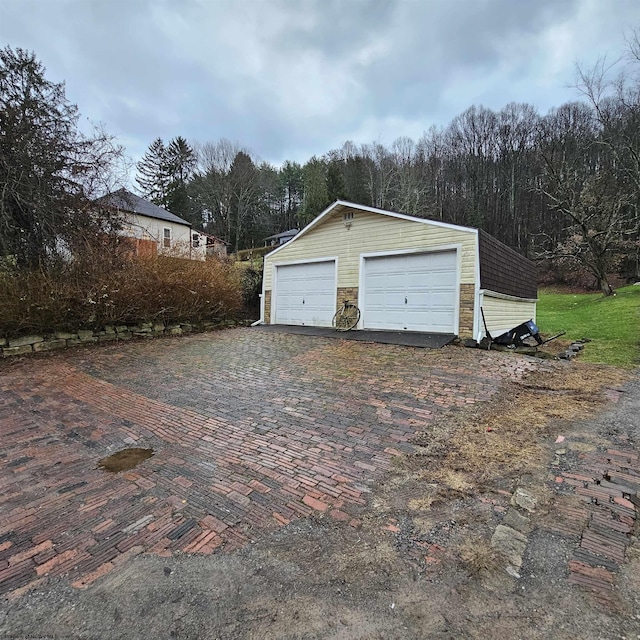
404	273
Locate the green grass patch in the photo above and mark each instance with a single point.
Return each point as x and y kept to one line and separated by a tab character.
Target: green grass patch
613	323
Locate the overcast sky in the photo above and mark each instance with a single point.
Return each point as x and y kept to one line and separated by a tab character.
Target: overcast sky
292	78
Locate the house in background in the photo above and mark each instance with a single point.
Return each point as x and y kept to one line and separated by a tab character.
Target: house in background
154	230
216	247
280	238
404	273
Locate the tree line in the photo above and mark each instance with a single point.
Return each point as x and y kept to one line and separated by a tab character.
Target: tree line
562	185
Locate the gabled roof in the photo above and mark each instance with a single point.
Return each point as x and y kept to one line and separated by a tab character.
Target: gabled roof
284	234
127	201
340	206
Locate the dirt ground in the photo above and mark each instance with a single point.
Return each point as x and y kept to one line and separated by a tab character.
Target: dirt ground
421	565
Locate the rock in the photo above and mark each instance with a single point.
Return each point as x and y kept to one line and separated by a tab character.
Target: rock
107	337
122	328
501	347
86	335
470	343
158	328
16	351
186	328
512	571
510	543
517	521
524	499
49	345
25	340
561	452
526	350
63	335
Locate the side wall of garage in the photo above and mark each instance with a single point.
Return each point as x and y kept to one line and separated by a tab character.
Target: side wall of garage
369	233
503	313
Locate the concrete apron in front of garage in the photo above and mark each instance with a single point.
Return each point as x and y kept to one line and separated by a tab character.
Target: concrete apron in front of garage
401	338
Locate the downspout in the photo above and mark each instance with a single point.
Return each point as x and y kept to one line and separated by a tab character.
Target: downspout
262	296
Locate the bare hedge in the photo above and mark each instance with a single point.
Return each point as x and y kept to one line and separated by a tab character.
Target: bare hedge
101	289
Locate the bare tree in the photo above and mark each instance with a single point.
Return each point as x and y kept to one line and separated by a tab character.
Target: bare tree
582	185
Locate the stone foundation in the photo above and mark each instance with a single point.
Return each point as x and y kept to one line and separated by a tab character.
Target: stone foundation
346	293
467	297
267	307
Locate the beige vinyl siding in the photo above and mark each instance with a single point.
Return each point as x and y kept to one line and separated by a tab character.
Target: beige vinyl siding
370	233
502	314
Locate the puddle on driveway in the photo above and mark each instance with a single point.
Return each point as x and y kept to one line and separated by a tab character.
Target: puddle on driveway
124	460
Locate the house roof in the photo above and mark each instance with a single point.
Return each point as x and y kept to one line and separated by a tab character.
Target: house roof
212	237
341	206
127	201
284	234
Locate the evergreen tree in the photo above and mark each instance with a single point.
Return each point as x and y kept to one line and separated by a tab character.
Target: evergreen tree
48	169
181	163
335	182
154	174
163	174
316	197
291	180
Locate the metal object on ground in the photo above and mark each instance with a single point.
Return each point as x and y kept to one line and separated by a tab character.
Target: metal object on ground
516	337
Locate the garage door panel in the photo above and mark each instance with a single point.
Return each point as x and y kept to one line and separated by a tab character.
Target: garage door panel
305	294
440	299
416	292
394	280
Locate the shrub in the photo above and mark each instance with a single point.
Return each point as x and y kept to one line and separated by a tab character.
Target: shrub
103	287
253	254
251	290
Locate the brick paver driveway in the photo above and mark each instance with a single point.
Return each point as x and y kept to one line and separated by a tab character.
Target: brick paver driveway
250	430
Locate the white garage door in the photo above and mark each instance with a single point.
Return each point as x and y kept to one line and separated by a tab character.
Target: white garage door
306	294
412	292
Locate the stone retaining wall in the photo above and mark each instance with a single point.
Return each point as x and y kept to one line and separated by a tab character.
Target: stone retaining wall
60	340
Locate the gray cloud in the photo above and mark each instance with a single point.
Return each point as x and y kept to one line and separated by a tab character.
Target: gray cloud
292	78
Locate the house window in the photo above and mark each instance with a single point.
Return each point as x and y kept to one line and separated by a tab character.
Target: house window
195	241
347	216
166	238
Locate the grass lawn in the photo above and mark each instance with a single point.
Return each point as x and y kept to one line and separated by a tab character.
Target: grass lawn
612	323
243	265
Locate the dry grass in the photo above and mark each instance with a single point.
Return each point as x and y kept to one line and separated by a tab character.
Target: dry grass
513	436
477	556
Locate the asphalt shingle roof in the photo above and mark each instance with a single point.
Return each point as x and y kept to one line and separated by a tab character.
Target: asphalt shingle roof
127	201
